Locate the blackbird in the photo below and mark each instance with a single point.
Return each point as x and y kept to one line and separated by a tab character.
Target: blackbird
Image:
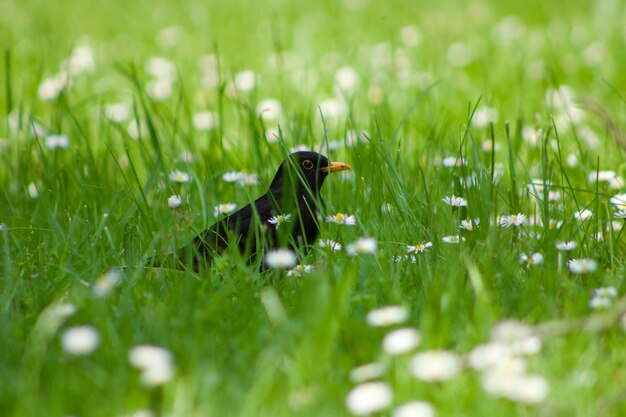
285	216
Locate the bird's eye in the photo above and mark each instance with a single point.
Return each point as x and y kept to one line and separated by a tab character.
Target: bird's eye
307	164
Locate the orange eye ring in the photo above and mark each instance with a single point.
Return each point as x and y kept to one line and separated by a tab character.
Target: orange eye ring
307	164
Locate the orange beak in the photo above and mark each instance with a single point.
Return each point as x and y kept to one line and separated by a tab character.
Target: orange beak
336	167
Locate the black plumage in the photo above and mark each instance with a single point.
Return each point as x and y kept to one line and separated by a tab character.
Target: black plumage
294	191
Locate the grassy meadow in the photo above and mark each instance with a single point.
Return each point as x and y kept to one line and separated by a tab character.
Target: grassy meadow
484	273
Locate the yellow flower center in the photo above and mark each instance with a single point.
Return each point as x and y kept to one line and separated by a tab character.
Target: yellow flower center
339	217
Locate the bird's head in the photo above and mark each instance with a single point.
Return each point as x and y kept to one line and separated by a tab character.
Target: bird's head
307	169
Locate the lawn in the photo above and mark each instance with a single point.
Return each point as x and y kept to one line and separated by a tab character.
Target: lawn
471	263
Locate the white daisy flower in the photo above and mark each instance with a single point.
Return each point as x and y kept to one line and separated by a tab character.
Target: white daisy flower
554	196
454	239
460	55
174	201
279	219
435	365
154	362
471	181
531	136
269	109
619	201
401	341
620	214
490	355
137	129
583	215
510	330
105	283
208	63
33	190
161	68
159	89
341	218
347	80
272	134
52	87
571	160
81	61
245	81
410	258
329	244
299	269
331	109
600	303
489	146
386	208
80	340
62	310
469	225
419	247
169	37
617	183
118	112
232	176
532	259
386	316
527	389
414	409
566	246
363	245
205	121
582	266
369	397
452	161
410	37
602	176
224	208
554	224
455	201
242	178
280	258
179	176
57	142
367	372
608	292
512	220
484	116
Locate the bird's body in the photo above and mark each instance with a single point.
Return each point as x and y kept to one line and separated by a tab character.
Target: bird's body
294	194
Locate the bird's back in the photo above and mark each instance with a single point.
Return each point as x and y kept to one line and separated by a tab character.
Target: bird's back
249	230
242	228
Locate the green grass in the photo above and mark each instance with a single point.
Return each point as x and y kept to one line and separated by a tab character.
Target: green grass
251	344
